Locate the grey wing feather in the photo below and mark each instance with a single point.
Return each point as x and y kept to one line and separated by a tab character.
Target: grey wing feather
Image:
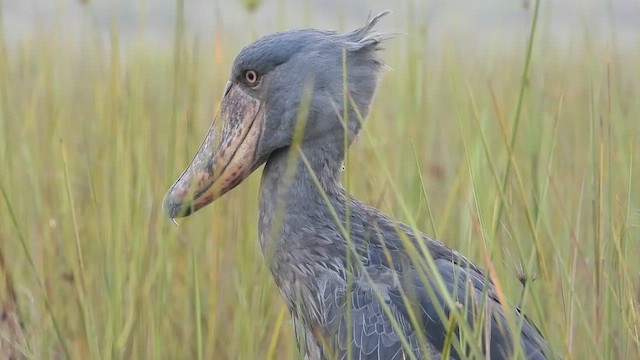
476	293
392	277
372	335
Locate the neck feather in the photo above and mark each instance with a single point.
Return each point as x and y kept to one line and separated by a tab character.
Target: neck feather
298	190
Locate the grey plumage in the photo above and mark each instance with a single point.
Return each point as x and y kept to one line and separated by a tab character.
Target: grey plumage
340	304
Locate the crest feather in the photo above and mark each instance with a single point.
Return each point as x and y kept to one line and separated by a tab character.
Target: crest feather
365	37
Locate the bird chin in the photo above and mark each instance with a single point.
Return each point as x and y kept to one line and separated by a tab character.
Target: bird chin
222	162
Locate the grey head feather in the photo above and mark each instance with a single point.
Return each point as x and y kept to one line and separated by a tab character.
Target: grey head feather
275	49
366	37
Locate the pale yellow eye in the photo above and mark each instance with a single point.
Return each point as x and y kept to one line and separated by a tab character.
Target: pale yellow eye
252	77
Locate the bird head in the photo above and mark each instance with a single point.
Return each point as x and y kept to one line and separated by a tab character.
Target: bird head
281	86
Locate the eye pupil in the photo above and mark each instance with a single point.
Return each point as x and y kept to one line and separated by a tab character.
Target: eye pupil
251	77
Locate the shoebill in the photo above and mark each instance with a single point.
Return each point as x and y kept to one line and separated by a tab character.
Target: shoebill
356	282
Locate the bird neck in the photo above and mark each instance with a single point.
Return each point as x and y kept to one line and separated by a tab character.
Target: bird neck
296	185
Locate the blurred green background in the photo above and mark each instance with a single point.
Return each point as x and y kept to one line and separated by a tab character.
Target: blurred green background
103	103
